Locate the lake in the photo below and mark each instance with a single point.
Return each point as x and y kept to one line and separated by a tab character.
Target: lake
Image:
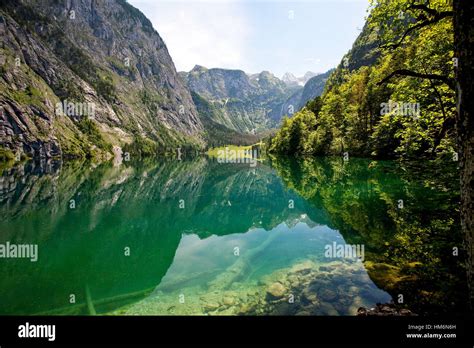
319	236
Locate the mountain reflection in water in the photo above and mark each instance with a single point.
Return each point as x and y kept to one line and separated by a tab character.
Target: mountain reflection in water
201	237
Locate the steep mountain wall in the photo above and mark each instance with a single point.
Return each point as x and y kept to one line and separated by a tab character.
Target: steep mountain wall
103	61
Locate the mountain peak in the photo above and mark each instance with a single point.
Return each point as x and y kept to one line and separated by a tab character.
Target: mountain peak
289	77
198	68
310	74
291	80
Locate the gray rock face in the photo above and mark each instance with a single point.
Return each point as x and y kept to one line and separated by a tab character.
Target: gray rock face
292	80
313	88
276	291
292	104
101	52
246	103
220	83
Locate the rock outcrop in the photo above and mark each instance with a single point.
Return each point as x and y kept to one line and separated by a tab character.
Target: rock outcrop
243	103
100	56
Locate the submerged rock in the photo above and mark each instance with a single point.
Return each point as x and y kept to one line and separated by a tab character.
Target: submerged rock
328	309
209	307
246	309
276	291
228	301
309	297
327	295
386	309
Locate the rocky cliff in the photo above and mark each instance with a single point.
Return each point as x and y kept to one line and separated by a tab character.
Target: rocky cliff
314	87
292	80
80	77
244	103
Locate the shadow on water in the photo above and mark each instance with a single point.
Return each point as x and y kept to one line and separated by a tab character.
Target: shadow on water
406	216
133	238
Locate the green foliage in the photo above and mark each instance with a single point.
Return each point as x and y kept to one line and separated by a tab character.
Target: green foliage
391	18
215	133
73	56
6	155
407	250
135	13
120	67
67	89
301	134
105	87
153	102
150	99
315	105
142	147
72	150
29	96
350	115
3	70
91	131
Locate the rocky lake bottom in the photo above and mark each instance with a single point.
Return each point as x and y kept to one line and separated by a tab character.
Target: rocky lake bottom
306	288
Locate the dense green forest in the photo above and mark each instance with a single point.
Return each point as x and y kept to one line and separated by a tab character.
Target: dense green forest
392	96
406	249
217	134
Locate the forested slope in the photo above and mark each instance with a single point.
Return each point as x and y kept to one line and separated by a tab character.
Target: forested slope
391	96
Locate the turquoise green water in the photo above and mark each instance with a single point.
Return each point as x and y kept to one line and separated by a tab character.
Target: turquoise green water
200	237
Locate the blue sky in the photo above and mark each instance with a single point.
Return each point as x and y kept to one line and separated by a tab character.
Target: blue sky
255	35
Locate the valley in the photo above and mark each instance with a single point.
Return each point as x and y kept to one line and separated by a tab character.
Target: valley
153	186
138	100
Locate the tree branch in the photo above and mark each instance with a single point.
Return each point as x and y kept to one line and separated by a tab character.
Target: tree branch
422	7
436	17
405	34
405	72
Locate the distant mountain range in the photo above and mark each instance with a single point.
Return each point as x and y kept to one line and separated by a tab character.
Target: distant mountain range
246	103
313	87
292	80
89	78
250	103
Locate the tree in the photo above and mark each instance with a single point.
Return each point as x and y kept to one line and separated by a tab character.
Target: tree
464	53
404	18
426	14
407	18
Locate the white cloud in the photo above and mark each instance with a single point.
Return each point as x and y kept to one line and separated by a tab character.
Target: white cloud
196	32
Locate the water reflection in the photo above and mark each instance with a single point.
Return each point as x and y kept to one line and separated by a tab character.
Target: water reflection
195	237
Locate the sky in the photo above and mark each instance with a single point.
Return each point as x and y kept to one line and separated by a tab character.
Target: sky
255	35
